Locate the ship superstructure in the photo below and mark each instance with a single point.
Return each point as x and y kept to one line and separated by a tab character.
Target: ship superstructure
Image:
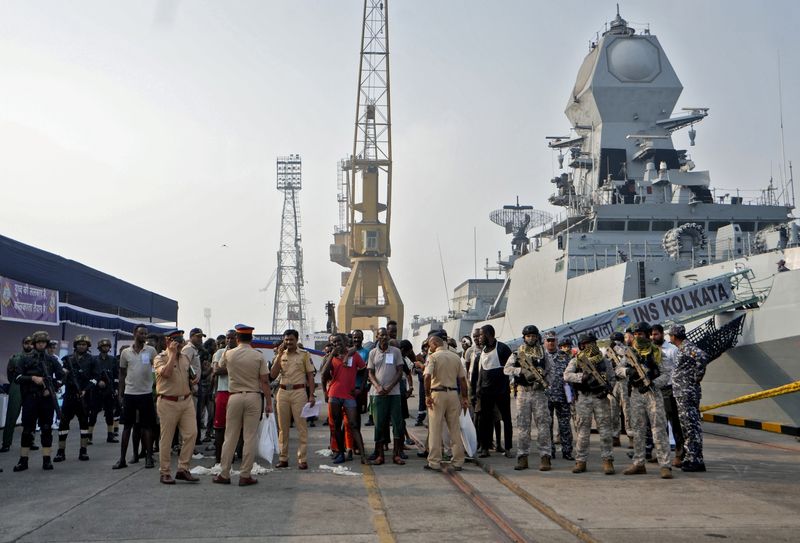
640	219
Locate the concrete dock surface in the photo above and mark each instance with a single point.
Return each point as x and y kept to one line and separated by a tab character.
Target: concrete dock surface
751	492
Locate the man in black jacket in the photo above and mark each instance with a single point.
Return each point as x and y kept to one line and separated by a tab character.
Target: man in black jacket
34	373
493	390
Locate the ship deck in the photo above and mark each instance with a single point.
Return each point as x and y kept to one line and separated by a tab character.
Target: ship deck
750	493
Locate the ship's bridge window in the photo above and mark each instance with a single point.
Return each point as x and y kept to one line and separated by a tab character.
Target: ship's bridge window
610	225
713	226
747	226
659	226
638	226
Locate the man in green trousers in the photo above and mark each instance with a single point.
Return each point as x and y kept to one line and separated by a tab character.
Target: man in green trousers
14	394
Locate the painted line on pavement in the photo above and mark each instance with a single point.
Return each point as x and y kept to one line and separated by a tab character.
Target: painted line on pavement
379	520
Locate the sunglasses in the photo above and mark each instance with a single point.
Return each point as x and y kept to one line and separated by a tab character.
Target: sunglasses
550	339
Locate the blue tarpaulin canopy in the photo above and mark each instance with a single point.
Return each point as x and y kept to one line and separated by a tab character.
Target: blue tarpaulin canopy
82	286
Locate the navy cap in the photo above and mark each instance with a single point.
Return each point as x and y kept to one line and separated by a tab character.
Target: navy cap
173	333
195	331
243	329
677	330
550	335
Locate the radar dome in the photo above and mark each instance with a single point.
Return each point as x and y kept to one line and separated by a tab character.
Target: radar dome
633	60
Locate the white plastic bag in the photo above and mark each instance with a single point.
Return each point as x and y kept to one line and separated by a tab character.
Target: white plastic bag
268	438
468	435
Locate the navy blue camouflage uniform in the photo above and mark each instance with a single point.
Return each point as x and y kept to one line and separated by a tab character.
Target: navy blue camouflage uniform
690	367
558	404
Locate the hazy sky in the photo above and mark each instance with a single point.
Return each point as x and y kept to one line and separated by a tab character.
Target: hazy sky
139	137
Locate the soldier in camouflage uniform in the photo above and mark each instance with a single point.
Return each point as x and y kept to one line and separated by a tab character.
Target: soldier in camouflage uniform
557	404
690	367
81	372
619	402
646	402
592	377
531	374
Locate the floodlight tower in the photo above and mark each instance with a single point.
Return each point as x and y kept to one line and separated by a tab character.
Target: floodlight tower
369	291
289	308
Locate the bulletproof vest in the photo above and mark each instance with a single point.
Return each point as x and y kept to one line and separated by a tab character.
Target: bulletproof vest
36	364
81	372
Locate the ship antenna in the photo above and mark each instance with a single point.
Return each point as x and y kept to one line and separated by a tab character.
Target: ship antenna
782	169
444	277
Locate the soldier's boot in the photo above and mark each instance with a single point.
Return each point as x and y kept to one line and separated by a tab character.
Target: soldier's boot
608	467
90	436
616	442
111	439
82	454
666	473
22	465
635	469
580	467
60	455
47	465
544	463
522	463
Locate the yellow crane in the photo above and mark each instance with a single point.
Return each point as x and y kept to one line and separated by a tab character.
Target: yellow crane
361	242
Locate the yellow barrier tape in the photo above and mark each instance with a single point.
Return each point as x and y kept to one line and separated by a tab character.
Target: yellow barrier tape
785	389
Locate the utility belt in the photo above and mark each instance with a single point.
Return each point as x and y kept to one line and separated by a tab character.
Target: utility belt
175	398
444	389
246	392
292	387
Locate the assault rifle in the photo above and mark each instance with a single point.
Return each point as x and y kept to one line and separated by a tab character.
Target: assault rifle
529	368
588	367
633	358
612	354
50	388
74	376
106	378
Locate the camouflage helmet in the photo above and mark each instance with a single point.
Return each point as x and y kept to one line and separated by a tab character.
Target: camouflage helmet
40	336
83	338
104	341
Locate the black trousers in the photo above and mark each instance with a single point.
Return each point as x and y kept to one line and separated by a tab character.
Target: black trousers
671	409
491	398
71	408
37	408
104	403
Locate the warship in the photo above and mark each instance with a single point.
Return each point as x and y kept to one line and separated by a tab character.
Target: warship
643	235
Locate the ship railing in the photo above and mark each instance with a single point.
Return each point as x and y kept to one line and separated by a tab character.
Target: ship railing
606	255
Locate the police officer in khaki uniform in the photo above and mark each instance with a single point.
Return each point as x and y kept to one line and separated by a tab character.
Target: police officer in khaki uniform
175	407
444	379
248	379
297	372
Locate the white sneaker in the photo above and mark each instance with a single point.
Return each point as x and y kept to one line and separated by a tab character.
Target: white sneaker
198	456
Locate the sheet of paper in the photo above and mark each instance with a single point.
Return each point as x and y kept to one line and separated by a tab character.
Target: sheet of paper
309	411
390	358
